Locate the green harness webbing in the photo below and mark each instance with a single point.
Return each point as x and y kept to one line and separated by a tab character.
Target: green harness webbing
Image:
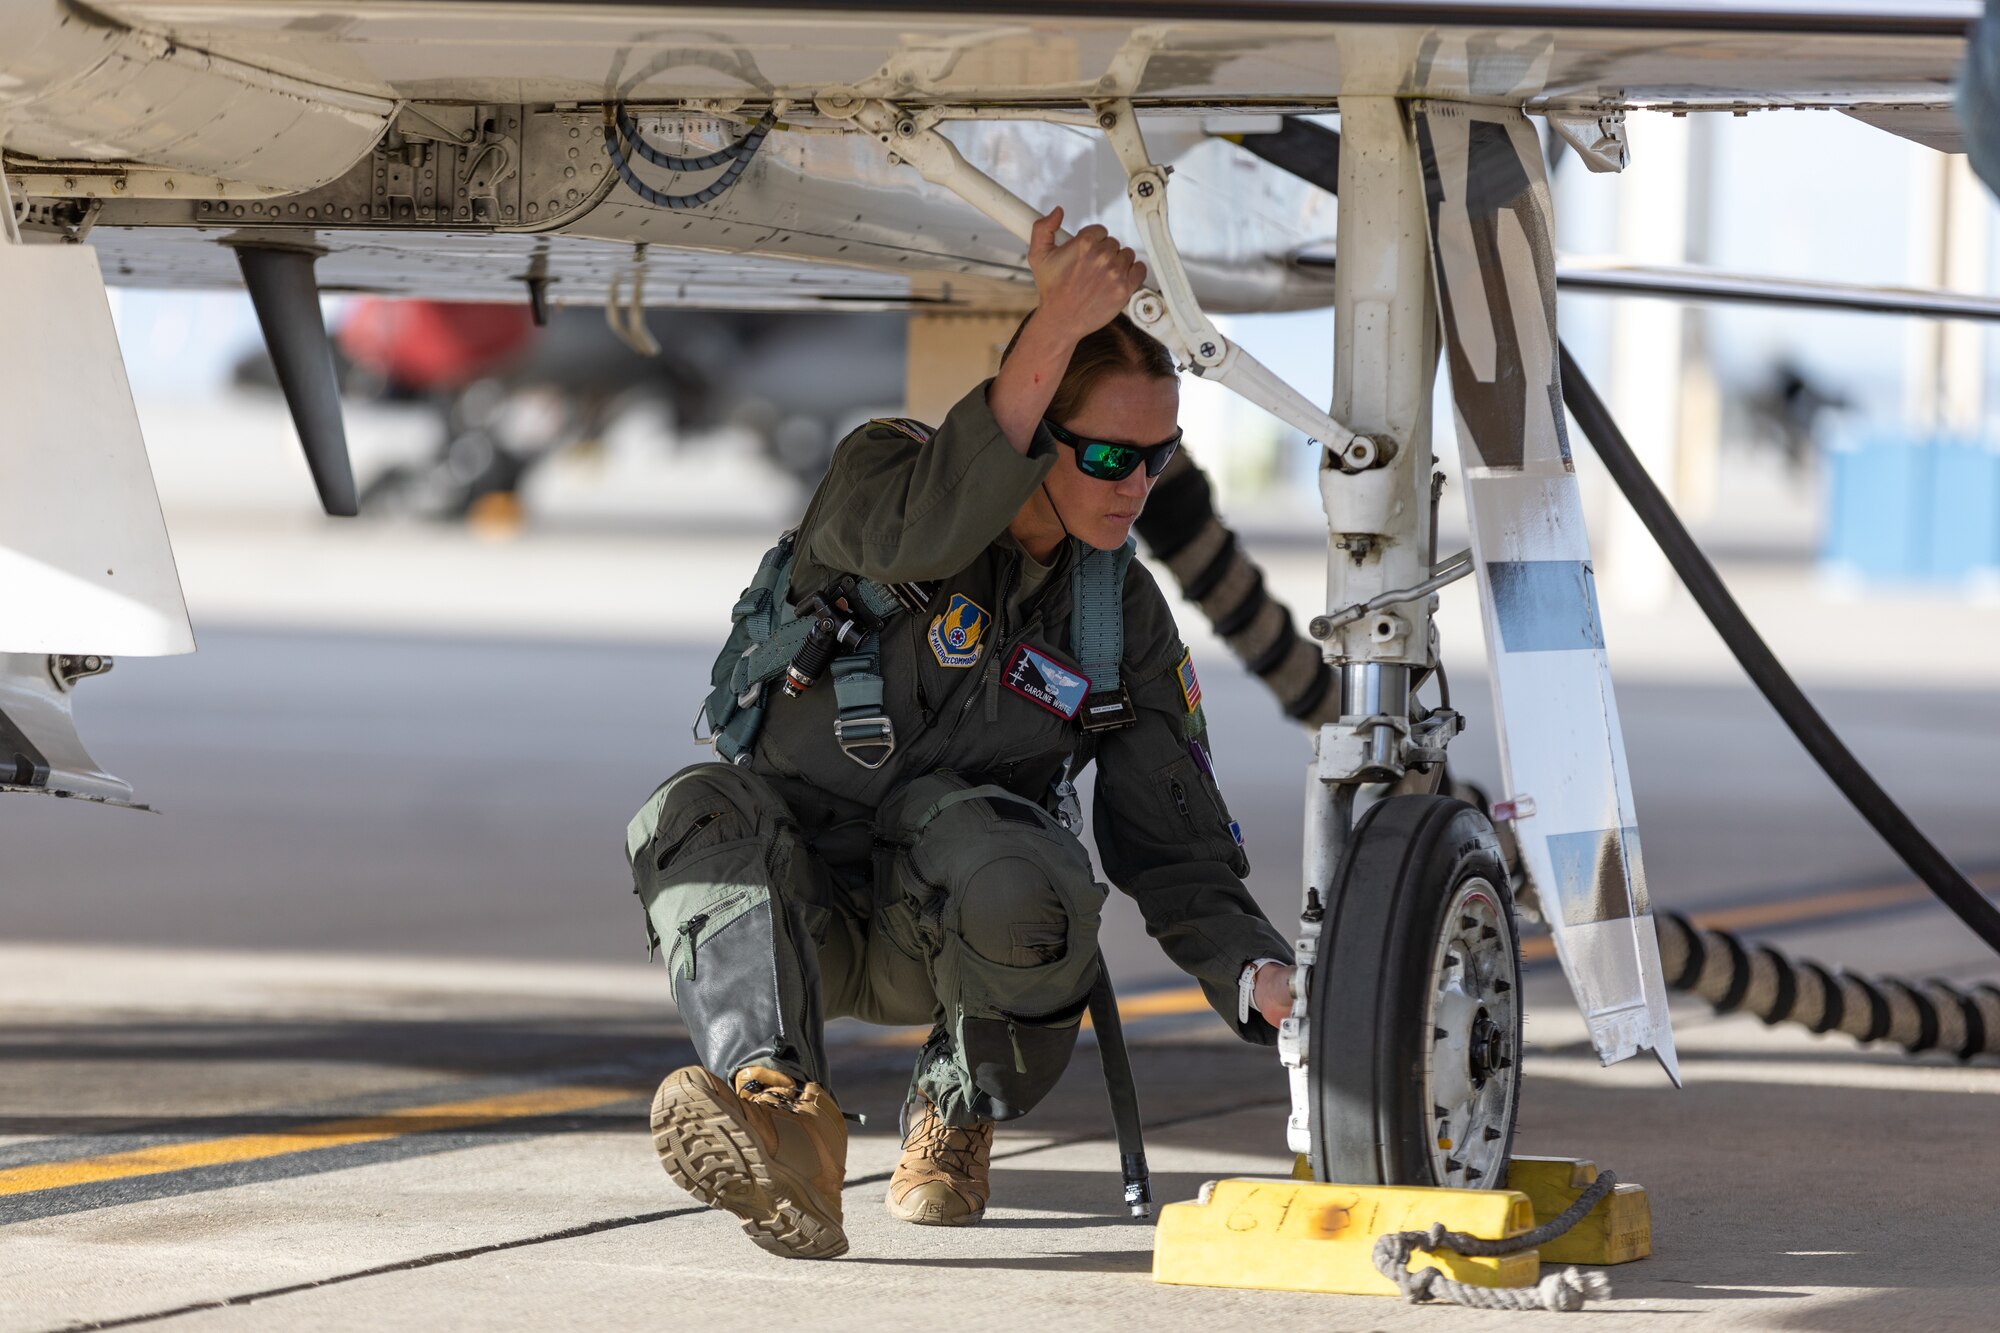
1097	635
768	632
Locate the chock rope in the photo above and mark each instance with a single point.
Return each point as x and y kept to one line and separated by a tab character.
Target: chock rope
1181	528
620	128
1930	1015
1559	1292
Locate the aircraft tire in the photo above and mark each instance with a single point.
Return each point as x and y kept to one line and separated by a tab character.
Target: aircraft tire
1415	1014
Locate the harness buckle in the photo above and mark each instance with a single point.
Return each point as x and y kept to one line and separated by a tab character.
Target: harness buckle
855	734
700	720
1107	711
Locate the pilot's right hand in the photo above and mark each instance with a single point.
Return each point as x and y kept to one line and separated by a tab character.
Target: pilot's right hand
1084	282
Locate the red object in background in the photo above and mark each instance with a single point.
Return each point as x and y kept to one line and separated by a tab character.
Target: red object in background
428	345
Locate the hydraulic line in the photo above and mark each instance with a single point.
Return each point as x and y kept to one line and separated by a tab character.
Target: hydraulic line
1762	666
619	127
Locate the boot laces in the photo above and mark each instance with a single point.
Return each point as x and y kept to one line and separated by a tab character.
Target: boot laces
769	1094
953	1148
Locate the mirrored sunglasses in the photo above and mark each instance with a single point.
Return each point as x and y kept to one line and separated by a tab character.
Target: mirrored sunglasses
1108	460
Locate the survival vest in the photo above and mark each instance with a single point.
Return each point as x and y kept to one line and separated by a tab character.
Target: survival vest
768	631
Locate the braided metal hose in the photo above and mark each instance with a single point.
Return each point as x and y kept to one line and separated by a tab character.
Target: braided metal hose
1180	527
1930	1015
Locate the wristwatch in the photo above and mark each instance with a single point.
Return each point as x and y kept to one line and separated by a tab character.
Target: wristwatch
1246	988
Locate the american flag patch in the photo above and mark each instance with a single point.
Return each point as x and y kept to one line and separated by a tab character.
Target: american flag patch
1190	687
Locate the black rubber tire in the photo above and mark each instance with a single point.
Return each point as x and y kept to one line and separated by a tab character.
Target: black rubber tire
1372	982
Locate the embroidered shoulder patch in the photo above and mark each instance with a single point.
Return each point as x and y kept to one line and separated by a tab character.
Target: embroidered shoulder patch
1046	681
957	634
916	430
1190	687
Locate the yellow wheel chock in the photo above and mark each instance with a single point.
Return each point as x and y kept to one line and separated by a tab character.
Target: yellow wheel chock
1289	1235
1617	1231
1298	1235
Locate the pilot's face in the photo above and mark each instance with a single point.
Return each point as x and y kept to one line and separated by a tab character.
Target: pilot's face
1124	408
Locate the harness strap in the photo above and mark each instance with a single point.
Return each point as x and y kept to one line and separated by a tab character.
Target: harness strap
949	799
862	729
1097	636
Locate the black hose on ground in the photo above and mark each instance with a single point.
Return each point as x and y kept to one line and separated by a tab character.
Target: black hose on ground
1762	666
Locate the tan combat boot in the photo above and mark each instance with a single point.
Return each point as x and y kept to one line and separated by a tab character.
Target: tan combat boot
942	1179
769	1151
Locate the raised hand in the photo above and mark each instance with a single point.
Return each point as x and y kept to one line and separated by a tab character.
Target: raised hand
1084	282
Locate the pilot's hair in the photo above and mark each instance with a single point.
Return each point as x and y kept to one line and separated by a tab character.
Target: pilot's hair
1120	345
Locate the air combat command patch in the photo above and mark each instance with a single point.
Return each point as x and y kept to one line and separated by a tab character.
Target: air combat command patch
957	633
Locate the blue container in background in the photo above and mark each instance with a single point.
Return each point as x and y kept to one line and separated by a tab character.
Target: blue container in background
1965	510
1913	510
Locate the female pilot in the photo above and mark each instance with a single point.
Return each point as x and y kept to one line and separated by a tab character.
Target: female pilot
890	845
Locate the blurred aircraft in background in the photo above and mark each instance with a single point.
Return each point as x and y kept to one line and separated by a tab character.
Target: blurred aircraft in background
511	394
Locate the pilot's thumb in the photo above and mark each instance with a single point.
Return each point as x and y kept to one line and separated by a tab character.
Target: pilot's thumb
1042	236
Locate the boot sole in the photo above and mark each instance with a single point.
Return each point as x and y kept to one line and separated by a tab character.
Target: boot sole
927	1217
713	1156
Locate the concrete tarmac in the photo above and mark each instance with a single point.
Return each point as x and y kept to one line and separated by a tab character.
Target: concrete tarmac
357	1032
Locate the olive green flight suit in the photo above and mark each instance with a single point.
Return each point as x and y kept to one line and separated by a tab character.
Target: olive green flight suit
938	889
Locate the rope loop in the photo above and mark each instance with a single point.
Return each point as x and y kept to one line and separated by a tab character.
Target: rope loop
1559	1293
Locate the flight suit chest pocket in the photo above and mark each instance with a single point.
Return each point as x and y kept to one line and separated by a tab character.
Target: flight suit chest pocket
1037	692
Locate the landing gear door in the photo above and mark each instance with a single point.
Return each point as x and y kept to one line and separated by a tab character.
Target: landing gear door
85	566
1561	750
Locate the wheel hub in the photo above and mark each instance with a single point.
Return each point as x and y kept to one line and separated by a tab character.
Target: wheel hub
1472	1018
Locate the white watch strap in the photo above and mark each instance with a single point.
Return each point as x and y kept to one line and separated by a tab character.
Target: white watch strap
1246	988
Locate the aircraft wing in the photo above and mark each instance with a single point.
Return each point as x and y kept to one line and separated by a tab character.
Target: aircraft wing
453	149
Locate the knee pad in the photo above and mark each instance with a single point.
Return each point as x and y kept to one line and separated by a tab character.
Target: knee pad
1007	911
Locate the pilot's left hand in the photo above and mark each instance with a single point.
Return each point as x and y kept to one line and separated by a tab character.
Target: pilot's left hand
1271	992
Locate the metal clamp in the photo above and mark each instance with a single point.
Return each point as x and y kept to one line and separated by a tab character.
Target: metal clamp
1446	574
1107	711
855	734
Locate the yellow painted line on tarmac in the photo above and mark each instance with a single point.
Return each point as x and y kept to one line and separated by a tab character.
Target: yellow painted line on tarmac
1153	1004
1541	948
307	1138
534	1102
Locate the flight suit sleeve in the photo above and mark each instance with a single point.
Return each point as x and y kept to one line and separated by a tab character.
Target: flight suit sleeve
894	508
1163	832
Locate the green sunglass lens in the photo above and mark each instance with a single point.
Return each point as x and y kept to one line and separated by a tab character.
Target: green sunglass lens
1108	460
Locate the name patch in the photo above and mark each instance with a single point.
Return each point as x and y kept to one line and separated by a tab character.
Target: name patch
957	632
1046	681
